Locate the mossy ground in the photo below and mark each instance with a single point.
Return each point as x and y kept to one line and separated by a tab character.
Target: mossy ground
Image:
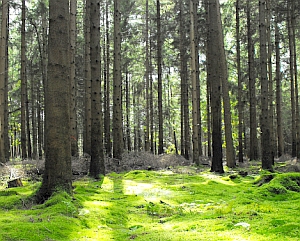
158	205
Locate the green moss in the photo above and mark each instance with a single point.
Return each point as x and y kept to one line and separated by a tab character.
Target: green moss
149	205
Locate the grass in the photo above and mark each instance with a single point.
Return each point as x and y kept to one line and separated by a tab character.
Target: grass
158	205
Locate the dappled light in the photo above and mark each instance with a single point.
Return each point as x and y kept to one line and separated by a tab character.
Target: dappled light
158	205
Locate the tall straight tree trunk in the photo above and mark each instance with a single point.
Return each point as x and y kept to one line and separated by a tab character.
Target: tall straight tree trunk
159	81
87	77
3	58
270	77
23	85
215	77
208	85
253	155
107	119
147	128
97	166
74	134
34	91
127	89
266	158
117	92
195	106
152	148
230	155
197	70
185	132
293	29
292	77
280	139
240	84
58	172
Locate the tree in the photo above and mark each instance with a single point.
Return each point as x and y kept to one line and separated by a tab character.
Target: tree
23	85
280	139
195	98
147	72
87	78
266	152
117	92
107	119
159	81
240	103
58	174
185	125
252	88
3	94
97	166
215	76
74	135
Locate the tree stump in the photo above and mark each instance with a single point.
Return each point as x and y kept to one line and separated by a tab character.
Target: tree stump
17	182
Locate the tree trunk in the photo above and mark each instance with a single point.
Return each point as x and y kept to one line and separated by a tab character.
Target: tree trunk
58	172
266	158
293	29
147	67
97	166
195	106
270	77
87	77
215	75
3	58
253	155
230	155
292	77
107	119
240	84
23	85
117	92
280	139
185	132
74	134
159	82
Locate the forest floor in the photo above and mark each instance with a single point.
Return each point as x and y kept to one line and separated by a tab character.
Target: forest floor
170	200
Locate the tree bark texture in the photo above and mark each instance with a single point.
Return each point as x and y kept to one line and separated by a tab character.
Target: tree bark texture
58	172
97	166
117	92
215	78
266	158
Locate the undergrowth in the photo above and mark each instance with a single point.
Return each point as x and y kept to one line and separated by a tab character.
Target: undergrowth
158	205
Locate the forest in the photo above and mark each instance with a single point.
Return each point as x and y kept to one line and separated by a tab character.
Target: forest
149	120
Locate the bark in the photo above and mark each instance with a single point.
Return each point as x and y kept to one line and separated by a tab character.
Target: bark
23	85
58	174
87	77
292	77
270	77
117	92
159	81
240	84
185	126
107	119
147	128
97	166
195	106
293	29
73	121
253	155
3	57
267	159
280	139
214	77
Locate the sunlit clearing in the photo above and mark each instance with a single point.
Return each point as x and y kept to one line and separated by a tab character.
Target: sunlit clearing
108	185
148	191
